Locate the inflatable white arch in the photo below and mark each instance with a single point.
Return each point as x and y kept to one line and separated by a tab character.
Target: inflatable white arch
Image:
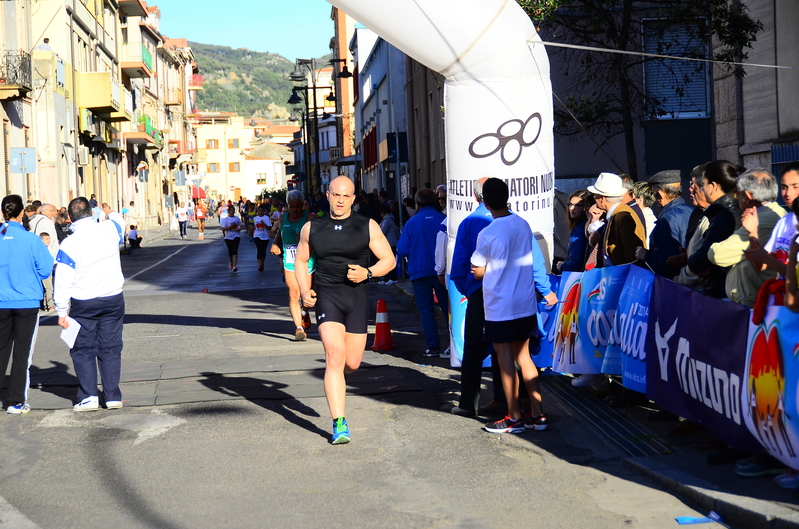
497	94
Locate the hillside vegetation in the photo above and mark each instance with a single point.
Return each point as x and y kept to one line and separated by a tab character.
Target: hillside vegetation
243	81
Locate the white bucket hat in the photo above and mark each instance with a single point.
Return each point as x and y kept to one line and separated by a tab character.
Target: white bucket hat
608	185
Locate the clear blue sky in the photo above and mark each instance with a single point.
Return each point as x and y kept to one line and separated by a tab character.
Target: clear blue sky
291	28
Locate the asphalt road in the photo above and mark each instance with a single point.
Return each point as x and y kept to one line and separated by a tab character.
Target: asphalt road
253	462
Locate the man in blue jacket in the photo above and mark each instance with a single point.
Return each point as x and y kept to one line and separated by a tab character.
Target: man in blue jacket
475	348
418	244
668	236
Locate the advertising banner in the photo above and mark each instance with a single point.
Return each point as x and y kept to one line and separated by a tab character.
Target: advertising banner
626	352
563	334
541	349
770	400
599	298
696	366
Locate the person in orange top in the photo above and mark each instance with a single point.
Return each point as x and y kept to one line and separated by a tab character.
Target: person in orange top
201	213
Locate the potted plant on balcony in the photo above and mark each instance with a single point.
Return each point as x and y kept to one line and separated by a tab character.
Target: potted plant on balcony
141	121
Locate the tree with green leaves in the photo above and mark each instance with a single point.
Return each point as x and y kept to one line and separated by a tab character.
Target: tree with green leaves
608	94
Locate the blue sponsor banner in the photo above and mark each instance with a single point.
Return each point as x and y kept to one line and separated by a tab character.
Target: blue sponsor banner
626	352
599	298
696	362
541	349
770	400
457	315
563	334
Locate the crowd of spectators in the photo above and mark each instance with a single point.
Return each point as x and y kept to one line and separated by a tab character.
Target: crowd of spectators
734	239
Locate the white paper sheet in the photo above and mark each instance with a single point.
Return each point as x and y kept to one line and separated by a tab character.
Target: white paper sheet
70	333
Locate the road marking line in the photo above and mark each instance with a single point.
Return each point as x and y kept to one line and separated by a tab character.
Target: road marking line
156	264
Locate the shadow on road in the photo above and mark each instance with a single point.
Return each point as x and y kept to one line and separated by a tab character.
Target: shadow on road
268	395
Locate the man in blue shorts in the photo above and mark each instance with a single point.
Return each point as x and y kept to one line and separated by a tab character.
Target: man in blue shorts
341	243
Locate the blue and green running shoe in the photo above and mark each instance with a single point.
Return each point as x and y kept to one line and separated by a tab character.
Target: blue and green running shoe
341	432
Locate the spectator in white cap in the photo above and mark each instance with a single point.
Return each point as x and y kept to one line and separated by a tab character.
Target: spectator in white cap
625	231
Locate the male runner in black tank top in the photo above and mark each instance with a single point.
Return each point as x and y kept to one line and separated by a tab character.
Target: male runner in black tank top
342	242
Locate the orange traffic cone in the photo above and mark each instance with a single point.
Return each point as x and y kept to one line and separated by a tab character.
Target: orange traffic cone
383	339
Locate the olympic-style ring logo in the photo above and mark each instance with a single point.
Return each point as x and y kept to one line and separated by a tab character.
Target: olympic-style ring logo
510	138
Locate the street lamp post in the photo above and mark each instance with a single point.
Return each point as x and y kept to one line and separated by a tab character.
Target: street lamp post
306	146
298	76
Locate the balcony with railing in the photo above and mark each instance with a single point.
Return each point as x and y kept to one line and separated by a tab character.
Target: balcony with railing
98	91
125	112
15	73
174	97
137	61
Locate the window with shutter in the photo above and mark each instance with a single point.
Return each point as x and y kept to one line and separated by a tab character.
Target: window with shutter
675	89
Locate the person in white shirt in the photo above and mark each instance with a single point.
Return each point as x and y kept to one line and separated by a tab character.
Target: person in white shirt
231	230
263	225
503	259
88	289
182	214
116	217
44	222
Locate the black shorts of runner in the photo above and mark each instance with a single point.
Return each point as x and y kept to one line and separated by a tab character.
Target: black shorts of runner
516	330
233	246
349	307
261	245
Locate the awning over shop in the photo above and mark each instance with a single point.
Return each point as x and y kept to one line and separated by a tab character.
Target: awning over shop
197	192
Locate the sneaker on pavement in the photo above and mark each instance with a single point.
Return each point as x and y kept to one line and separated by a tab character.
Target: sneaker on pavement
87	404
788	480
585	381
762	466
506	425
235	269
391	282
432	352
299	334
462	412
445	354
19	409
113	404
341	432
535	423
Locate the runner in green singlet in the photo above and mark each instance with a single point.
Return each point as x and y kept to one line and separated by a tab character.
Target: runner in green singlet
289	225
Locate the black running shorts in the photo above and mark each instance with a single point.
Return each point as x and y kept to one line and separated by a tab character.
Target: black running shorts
516	330
348	306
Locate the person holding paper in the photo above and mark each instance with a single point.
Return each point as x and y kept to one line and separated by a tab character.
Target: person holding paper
24	263
88	288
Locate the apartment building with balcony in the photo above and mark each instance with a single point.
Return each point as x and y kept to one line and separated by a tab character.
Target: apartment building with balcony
224	141
104	116
16	110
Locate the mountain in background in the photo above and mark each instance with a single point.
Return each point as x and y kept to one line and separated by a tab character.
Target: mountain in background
243	81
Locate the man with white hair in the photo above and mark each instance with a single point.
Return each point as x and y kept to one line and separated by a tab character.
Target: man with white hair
625	231
757	195
44	222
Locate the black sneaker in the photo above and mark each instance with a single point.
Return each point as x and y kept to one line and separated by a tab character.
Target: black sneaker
506	425
535	423
432	352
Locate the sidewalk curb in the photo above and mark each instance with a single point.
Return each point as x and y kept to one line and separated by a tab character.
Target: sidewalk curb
738	510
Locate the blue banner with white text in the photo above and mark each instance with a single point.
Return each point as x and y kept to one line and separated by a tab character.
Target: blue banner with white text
697	357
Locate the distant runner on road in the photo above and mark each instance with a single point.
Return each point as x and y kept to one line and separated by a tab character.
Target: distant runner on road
286	237
342	242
